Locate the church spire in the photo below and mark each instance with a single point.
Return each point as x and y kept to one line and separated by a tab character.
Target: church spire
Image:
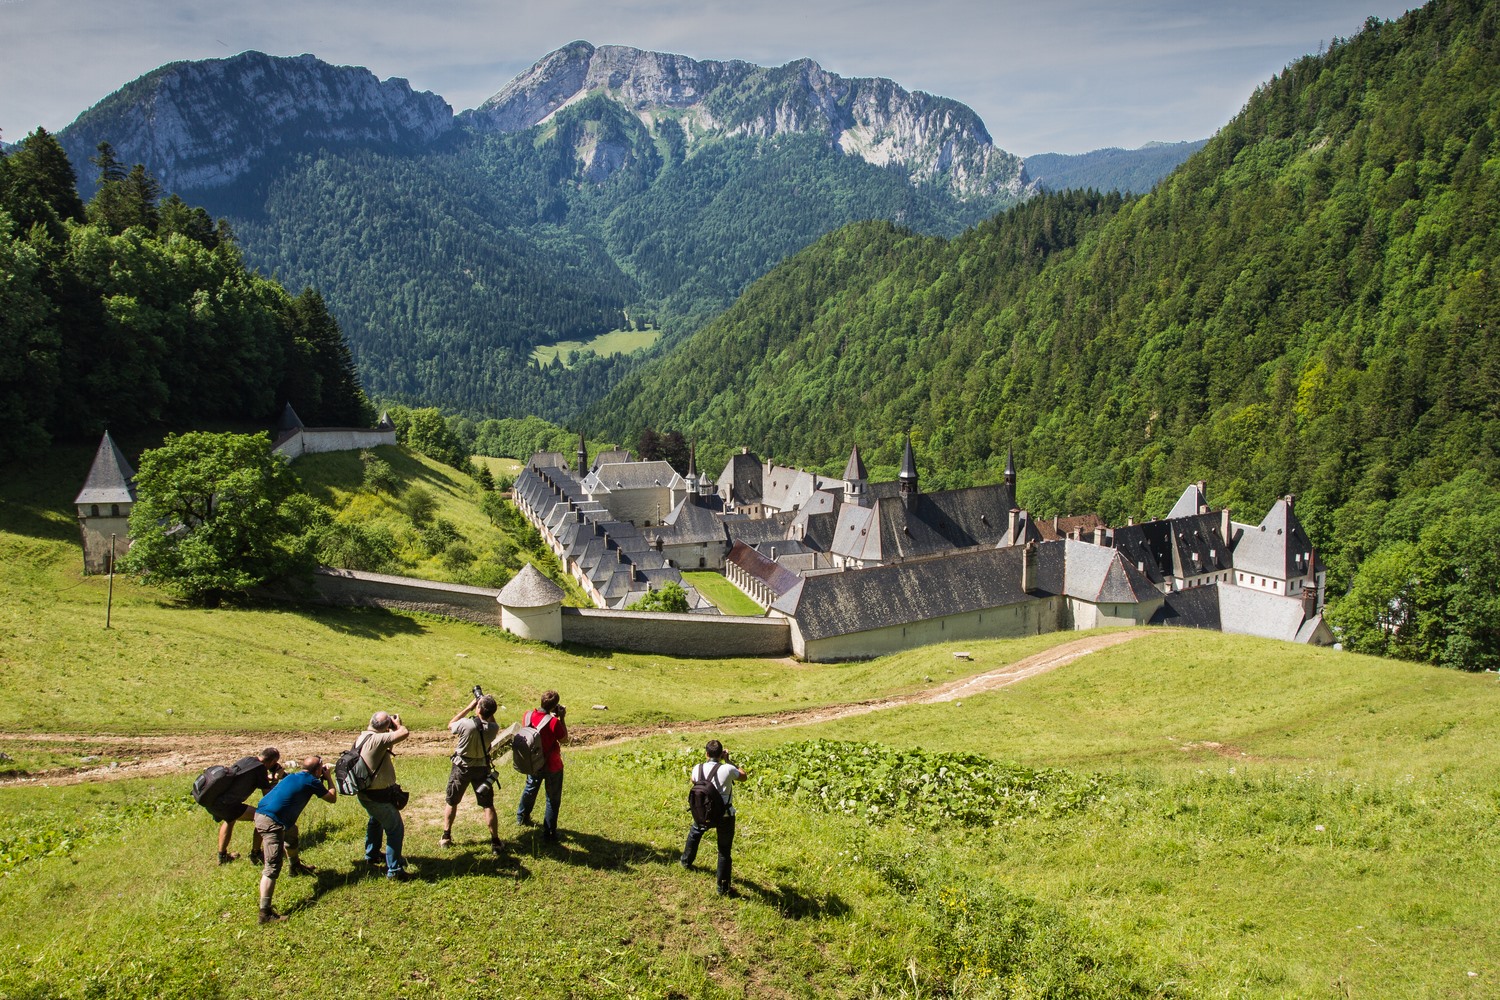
1010	468
908	475
855	478
583	456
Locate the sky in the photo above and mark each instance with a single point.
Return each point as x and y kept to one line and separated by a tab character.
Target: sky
1061	76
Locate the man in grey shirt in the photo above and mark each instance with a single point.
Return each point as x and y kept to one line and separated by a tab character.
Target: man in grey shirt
472	767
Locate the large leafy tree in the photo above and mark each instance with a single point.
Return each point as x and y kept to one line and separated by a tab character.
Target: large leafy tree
218	514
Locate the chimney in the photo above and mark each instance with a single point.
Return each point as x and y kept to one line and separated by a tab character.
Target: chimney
1028	568
1309	600
1015	513
1098	534
1202	496
1224	525
1290	499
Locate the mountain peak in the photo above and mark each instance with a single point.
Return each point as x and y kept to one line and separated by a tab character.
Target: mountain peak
205	123
933	138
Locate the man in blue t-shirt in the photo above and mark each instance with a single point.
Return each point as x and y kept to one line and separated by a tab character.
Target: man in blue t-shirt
276	822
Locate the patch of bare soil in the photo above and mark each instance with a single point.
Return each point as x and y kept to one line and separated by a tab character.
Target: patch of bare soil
153	756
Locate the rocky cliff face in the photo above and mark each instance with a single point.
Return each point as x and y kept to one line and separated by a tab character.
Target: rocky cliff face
199	125
935	140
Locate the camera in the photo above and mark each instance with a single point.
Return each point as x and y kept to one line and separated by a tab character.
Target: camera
478	692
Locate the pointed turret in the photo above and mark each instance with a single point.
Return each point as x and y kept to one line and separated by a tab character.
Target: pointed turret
692	473
908	476
289	420
1010	468
583	456
104	506
855	479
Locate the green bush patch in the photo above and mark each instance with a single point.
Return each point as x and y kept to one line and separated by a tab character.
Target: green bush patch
918	787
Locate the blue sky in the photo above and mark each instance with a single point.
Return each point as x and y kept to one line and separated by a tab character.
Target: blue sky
1045	75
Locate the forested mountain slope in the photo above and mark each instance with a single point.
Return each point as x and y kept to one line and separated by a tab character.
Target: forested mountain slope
599	182
133	311
1308	305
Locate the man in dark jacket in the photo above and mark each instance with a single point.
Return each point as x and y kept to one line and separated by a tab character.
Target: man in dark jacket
251	774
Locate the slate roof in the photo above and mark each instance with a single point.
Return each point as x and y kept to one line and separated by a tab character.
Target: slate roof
289	420
740	481
530	589
1278	547
931	524
855	469
787	489
1098	574
1241	611
690	522
1193	501
776	577
1179	546
110	479
753	531
1197	607
609	476
836	604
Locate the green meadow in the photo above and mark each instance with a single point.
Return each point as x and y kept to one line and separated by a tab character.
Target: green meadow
625	341
1181	815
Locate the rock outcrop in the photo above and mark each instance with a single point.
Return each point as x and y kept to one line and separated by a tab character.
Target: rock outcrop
201	125
933	139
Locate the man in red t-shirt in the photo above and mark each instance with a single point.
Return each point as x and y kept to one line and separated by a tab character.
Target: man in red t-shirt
549	722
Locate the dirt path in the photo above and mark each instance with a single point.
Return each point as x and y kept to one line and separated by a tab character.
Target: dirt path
152	756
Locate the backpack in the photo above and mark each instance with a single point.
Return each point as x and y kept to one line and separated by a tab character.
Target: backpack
350	771
706	798
211	785
526	753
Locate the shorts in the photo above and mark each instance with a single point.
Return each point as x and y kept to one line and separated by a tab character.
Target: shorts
275	841
227	812
463	776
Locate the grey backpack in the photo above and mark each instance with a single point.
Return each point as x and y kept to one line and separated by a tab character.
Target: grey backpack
526	753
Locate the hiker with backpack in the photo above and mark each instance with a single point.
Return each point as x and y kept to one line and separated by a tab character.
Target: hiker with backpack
382	798
276	821
711	802
223	791
536	752
471	765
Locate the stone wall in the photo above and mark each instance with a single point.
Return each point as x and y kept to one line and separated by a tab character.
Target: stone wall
1033	617
637	631
348	588
318	440
677	635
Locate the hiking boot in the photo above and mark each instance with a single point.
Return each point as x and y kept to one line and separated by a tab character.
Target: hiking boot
399	876
446	840
525	821
298	868
270	917
687	866
497	848
375	862
227	856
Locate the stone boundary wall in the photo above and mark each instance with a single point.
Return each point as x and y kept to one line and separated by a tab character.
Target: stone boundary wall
676	634
318	440
636	631
348	588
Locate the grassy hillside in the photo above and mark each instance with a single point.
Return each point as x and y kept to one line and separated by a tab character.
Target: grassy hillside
1258	822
